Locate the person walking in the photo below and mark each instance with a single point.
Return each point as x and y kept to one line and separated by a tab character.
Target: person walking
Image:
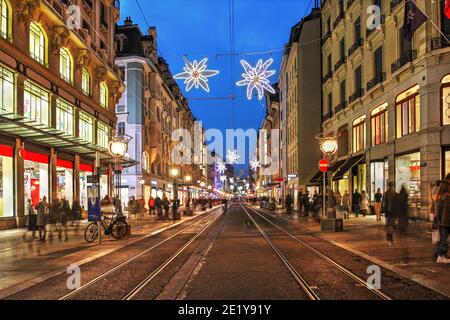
289	204
356	202
346	202
300	202
158	206
388	208
63	214
141	208
402	209
151	205
166	206
377	203
443	217
32	219
41	221
365	203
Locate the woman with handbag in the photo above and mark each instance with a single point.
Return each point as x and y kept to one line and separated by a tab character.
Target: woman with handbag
443	217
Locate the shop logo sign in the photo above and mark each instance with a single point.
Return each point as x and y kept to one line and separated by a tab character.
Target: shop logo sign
74	279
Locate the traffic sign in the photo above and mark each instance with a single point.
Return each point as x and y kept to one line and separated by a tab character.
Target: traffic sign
324	165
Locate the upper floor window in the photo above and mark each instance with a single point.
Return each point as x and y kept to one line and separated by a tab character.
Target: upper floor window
102	135
343	141
36	103
145	162
121	128
408	112
64	117
86	82
86	127
359	134
7	91
103	95
65	65
446	100
38	43
379	124
5	19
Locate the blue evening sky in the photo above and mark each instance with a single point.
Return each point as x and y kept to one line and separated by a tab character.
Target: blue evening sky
200	28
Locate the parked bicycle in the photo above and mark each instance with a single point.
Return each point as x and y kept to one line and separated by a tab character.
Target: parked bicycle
116	227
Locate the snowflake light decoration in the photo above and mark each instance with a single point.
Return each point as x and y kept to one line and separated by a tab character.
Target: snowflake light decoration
232	181
195	74
223	178
256	78
255	164
221	167
232	156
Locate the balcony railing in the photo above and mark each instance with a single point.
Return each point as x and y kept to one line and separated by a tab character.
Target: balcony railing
327	77
340	106
358	43
327	116
326	37
394	4
358	94
338	19
378	79
340	63
440	42
349	3
404	59
369	31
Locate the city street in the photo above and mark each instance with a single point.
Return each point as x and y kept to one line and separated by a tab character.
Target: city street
245	255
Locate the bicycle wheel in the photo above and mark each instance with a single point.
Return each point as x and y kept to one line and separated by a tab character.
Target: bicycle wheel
91	232
119	229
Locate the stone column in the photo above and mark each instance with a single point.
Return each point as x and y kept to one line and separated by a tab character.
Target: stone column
53	176
19	185
76	177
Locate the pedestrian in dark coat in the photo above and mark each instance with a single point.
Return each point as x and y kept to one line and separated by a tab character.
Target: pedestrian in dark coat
388	206
356	202
443	217
289	204
41	221
32	219
166	206
402	209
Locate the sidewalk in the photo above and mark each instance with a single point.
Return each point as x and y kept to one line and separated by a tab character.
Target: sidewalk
411	255
25	261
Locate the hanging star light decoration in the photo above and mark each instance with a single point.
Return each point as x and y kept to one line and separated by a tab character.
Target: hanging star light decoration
221	167
196	74
256	78
223	178
255	164
232	156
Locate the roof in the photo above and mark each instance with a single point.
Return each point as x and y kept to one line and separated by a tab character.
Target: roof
132	45
296	30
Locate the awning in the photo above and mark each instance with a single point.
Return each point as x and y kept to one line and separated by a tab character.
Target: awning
348	166
318	177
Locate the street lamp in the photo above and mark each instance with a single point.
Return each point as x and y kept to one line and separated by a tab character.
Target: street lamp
118	148
188	180
329	146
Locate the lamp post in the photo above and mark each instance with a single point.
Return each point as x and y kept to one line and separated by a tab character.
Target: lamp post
174	172
188	180
329	147
118	147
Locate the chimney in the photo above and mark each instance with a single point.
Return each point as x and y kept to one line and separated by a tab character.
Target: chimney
128	21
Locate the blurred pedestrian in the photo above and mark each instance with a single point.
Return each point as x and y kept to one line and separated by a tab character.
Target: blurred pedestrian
141	207
166	206
289	204
151	206
63	214
32	219
377	203
356	202
365	203
346	202
402	209
388	207
443	216
41	221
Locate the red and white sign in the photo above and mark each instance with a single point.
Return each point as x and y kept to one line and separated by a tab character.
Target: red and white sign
324	165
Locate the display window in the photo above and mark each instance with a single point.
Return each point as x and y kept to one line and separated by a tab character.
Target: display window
6	182
64	180
103	185
446	162
379	173
85	171
407	174
36	176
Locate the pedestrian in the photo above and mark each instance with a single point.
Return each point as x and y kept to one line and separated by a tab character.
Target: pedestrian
32	219
289	204
41	220
166	206
305	201
346	204
402	209
443	216
151	205
388	207
356	202
63	213
338	198
141	207
300	202
365	203
158	206
377	203
174	209
225	205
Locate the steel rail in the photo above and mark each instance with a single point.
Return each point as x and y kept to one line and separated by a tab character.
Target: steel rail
349	273
300	280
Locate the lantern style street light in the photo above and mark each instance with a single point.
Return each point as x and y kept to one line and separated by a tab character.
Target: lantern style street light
329	146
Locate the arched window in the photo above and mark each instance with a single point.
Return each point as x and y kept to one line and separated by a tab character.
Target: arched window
407	112
104	95
5	19
359	134
65	64
86	82
144	162
379	124
446	100
38	43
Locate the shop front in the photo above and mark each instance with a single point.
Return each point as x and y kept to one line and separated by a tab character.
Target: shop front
64	180
446	162
379	173
36	177
6	182
86	170
407	174
351	175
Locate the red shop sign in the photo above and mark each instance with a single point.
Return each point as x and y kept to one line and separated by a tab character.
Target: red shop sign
64	164
34	156
6	151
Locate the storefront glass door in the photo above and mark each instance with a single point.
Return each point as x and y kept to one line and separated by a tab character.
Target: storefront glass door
6	182
407	174
64	180
36	177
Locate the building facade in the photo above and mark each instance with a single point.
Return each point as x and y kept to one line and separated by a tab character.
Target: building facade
301	96
386	97
59	88
151	109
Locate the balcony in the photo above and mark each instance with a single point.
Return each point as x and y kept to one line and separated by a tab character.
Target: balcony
378	79
327	116
340	62
340	106
370	31
358	94
404	59
338	19
349	3
394	4
327	77
326	37
358	43
440	42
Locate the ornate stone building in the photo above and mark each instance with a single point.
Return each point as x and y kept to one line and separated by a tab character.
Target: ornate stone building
58	91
